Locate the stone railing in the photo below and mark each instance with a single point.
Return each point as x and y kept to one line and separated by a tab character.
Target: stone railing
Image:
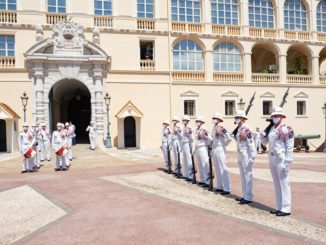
226	30
299	78
188	76
228	77
321	37
147	65
297	35
322	79
54	18
8	17
265	78
187	27
146	24
103	21
7	62
260	32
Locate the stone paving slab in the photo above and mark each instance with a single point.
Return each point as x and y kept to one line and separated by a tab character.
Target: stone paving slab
23	211
167	186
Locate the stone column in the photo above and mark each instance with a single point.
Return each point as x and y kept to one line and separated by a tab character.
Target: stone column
206	15
313	19
98	100
39	92
244	17
279	18
315	69
282	67
209	66
247	66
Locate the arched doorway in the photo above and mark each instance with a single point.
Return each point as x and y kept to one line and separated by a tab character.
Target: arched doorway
69	100
3	134
130	132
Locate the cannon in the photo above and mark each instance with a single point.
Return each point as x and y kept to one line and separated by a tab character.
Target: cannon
301	141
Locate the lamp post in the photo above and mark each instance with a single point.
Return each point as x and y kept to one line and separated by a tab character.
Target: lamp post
241	104
107	99
324	111
24	99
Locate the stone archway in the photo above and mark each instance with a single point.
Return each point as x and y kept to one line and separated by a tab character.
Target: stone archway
67	56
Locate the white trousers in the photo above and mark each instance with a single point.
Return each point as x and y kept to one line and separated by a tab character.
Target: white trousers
69	148
175	145
45	146
92	141
281	184
258	145
245	167
165	154
37	156
221	170
187	162
30	163
61	161
203	165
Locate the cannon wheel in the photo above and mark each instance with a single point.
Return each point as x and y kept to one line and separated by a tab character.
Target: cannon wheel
307	147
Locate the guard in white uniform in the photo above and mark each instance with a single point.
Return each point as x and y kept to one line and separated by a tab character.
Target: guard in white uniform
221	139
45	138
73	127
166	142
38	130
187	140
257	140
58	143
281	143
246	156
25	143
203	139
70	134
92	134
36	135
176	142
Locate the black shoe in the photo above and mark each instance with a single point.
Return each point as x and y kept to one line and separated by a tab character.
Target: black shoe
205	185
24	171
201	183
64	169
218	190
239	199
31	170
48	160
38	167
274	211
57	169
70	159
244	201
225	193
280	213
165	170
187	179
42	160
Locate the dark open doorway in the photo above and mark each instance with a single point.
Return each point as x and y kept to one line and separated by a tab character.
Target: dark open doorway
3	134
70	101
130	132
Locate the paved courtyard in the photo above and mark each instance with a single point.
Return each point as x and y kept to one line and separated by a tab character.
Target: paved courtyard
123	197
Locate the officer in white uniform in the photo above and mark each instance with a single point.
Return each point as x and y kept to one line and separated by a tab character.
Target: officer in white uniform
203	139
73	127
45	142
176	142
257	140
36	135
70	134
281	143
221	139
92	134
25	143
38	130
166	142
187	140
246	156
58	143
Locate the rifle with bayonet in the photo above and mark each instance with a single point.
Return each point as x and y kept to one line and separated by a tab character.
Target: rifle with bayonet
169	158
271	124
235	131
211	176
178	164
194	171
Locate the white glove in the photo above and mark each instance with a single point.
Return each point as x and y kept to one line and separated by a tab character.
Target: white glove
262	133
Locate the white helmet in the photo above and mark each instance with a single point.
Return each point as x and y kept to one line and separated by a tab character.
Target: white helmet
58	124
166	122
218	116
186	118
43	125
92	122
278	111
37	123
67	124
241	114
175	118
200	119
33	124
25	124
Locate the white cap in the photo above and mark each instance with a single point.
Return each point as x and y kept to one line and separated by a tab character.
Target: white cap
43	125
186	118
200	119
33	124
58	124
218	116
25	124
175	118
278	111
92	122
166	122
67	124
241	114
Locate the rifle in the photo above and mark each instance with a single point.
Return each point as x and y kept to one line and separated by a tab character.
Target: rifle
178	164
194	171
235	131
169	158
211	176
271	124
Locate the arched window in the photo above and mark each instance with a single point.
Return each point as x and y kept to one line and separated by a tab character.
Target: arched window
103	7
295	15
187	56
185	10
261	14
321	16
145	8
224	12
227	58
